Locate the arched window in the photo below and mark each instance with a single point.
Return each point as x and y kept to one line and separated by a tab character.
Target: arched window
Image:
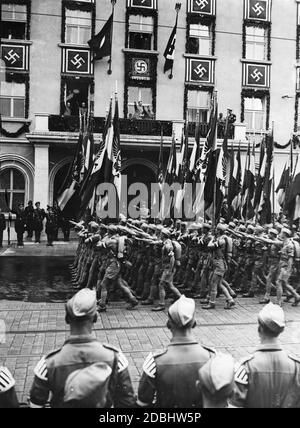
12	181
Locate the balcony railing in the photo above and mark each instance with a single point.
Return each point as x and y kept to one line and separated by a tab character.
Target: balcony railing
127	126
204	127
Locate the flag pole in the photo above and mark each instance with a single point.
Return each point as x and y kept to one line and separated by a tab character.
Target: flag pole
177	8
113	3
273	173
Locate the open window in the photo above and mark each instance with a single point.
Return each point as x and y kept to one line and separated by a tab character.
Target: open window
198	101
255	113
140	103
13	21
141	32
76	97
200	39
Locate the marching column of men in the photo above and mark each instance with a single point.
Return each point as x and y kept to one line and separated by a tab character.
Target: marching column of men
185	374
151	262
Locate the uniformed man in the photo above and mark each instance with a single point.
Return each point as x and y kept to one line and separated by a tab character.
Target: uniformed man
216	381
79	351
273	260
8	396
168	268
2	226
169	376
270	378
38	217
29	213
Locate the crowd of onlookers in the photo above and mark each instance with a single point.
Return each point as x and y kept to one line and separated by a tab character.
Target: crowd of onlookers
33	219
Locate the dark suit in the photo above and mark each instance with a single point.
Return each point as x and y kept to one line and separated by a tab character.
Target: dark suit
2	228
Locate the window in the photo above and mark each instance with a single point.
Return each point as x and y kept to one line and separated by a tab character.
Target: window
200	39
78	27
76	96
198	101
12	99
256	43
140	104
12	180
141	32
13	22
255	113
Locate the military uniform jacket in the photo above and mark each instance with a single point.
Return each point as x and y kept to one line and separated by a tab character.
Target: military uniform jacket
79	352
270	378
8	397
170	375
2	222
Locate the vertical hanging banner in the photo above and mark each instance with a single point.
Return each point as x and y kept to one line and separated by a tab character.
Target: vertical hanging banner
205	7
257	10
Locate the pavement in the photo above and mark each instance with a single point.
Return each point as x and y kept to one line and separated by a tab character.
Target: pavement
34	329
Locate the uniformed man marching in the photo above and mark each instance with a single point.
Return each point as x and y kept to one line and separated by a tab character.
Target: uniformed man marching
169	376
270	378
79	351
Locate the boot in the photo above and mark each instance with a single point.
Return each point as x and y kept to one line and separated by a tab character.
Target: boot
132	305
158	308
264	301
249	294
147	302
229	304
209	306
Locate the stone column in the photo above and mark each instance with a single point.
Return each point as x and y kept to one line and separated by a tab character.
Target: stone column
41	177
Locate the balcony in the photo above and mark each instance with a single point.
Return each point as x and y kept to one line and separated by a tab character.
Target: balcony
204	127
127	126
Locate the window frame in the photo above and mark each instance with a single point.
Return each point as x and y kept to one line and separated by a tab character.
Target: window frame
84	6
11	191
194	87
198	108
209	38
256	43
139	87
209	21
144	13
12	97
266	105
78	27
26	3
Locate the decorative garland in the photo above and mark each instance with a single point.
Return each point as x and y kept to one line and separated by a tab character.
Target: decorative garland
297	43
266	26
76	5
143	12
140	83
209	21
296	112
249	93
67	79
191	87
27	3
24	128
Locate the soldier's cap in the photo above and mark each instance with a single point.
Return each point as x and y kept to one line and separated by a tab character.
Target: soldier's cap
112	228
182	312
178	221
236	221
272	316
217	375
250	227
144	226
286	231
232	225
165	231
206	226
93	225
273	231
222	220
151	226
221	226
242	228
285	225
258	229
82	304
89	383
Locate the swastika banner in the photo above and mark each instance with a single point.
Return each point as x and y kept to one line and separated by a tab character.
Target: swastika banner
256	75
206	7
14	57
200	71
258	9
140	68
75	61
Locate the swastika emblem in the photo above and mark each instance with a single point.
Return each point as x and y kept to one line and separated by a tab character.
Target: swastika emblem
201	3
140	67
78	61
258	9
200	71
257	75
203	6
13	56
